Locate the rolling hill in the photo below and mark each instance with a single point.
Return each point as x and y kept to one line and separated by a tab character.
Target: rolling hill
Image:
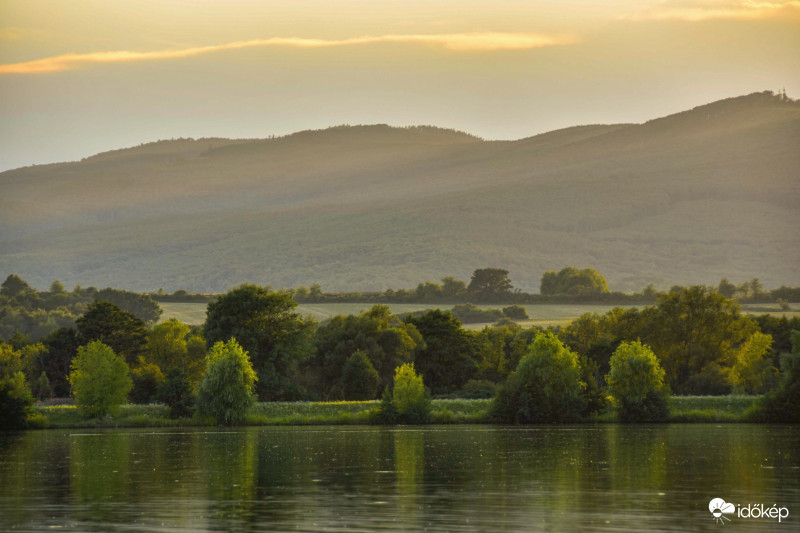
693	197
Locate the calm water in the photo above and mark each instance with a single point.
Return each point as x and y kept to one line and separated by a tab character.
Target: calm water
461	478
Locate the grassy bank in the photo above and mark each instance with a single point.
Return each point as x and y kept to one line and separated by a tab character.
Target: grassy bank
682	409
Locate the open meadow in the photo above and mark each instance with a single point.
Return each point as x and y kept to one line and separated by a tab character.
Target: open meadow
543	315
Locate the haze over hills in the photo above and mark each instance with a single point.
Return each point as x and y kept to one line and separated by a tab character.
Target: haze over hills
690	198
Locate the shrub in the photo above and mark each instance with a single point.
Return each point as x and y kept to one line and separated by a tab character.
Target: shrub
176	393
545	388
99	379
15	394
227	387
146	379
410	403
516	312
360	380
781	404
636	383
478	389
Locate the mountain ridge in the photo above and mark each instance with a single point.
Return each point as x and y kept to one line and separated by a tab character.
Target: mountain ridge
298	209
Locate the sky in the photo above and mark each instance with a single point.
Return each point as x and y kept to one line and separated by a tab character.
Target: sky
78	77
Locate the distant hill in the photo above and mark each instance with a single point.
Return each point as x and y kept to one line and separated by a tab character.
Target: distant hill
690	198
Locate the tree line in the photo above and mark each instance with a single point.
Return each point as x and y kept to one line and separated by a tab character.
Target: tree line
700	340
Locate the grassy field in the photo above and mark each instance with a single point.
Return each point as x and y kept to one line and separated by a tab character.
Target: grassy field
540	315
682	409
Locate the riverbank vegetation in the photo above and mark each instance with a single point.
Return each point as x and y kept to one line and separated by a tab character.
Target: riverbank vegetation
621	365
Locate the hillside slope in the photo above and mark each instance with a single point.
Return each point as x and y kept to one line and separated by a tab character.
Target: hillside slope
687	198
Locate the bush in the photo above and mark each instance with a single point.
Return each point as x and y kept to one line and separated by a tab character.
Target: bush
636	383
410	403
478	389
15	401
515	312
99	379
226	391
472	314
781	404
360	380
15	394
146	379
176	393
545	388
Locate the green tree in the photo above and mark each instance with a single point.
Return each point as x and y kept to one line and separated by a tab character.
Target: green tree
453	290
171	344
57	288
147	377
726	288
573	282
636	383
14	286
696	332
489	285
62	346
545	388
15	394
118	329
360	380
142	306
409	397
752	371
226	391
269	329
446	357
100	380
176	393
384	338
780	404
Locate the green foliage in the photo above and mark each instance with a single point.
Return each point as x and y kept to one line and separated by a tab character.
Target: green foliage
147	377
478	389
446	357
472	314
360	380
14	286
15	394
170	344
118	329
545	388
752	371
636	382
176	393
100	380
387	341
489	285
228	385
62	346
573	281
409	397
515	312
781	404
268	328
142	306
692	329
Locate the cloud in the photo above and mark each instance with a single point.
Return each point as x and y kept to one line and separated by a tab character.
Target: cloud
461	42
699	10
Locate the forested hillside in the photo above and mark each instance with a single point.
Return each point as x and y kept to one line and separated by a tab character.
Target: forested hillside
689	198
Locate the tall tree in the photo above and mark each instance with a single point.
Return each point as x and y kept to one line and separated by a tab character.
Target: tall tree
267	326
489	285
447	356
573	282
14	286
125	334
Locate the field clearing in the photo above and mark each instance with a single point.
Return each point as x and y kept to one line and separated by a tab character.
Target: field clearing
542	315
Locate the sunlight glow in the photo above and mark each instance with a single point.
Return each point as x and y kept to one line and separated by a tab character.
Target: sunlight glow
460	42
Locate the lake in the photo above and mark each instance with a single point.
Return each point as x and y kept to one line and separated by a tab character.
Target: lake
605	477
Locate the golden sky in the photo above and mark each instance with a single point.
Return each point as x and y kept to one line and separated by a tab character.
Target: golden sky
82	76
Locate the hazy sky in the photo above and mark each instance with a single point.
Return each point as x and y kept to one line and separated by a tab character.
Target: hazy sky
82	76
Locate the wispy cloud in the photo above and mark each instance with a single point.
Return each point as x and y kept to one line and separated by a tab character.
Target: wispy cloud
699	10
462	42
